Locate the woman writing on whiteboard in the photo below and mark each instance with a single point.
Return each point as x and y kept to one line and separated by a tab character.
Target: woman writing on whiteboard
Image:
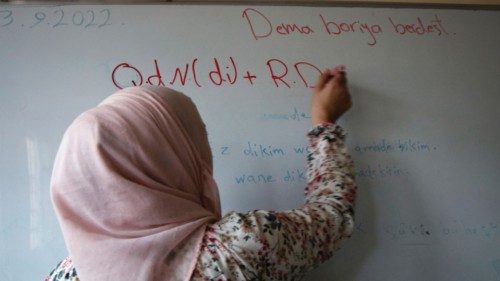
133	190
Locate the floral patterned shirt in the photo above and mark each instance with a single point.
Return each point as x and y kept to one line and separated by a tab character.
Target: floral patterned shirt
270	245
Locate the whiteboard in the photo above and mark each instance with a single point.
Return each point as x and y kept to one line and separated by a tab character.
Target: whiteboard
423	131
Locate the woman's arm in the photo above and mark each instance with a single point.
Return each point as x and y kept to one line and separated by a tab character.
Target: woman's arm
265	245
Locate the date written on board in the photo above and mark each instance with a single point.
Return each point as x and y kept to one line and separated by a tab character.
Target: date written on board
58	18
220	72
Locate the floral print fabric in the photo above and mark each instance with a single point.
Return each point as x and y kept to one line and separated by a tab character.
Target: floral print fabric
269	245
266	245
64	271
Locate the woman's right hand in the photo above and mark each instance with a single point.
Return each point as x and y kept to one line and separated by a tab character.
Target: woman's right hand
331	96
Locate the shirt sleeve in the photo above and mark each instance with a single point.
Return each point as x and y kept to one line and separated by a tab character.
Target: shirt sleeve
268	245
63	271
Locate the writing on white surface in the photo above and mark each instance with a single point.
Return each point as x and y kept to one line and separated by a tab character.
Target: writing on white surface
262	26
223	72
410	145
376	171
408	231
57	18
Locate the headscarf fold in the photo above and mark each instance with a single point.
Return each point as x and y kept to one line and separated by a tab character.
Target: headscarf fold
132	187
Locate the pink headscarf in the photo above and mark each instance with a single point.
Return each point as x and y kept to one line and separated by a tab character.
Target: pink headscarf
132	187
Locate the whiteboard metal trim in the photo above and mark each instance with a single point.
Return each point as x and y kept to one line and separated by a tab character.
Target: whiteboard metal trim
447	4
